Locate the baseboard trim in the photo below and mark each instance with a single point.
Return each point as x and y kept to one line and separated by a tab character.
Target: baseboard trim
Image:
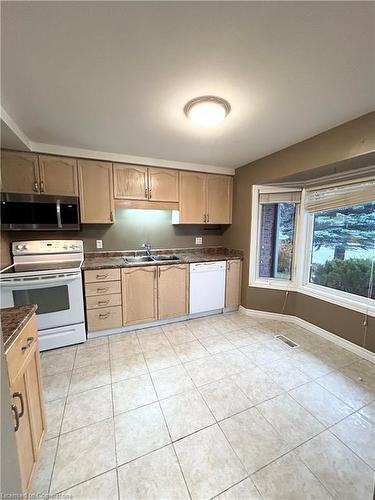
346	344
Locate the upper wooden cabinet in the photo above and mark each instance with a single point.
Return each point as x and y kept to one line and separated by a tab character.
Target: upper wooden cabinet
19	172
135	182
139	294
58	175
95	188
173	285
205	199
30	173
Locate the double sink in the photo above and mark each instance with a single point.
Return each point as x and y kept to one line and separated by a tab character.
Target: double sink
151	258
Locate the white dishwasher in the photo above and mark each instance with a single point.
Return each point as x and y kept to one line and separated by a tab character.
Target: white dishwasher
207	286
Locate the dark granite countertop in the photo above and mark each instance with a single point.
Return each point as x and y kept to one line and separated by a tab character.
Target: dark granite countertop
13	319
107	260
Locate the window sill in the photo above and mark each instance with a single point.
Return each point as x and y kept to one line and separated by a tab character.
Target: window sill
274	285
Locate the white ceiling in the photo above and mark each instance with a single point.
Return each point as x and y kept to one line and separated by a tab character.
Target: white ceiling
113	77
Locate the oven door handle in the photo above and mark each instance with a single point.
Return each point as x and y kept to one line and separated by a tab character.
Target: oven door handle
39	281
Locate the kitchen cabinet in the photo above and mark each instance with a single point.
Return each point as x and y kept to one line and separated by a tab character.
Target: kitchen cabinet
139	294
173	287
58	175
23	365
233	283
96	193
135	182
19	172
204	199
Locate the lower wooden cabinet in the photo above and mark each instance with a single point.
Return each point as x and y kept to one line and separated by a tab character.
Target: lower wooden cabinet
26	393
173	288
139	294
233	283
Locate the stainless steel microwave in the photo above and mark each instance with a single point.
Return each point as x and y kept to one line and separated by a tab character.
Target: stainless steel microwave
29	212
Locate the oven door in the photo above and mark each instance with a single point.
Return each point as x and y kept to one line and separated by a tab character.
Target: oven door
59	297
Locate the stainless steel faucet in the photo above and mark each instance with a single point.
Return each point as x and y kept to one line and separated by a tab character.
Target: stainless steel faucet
147	247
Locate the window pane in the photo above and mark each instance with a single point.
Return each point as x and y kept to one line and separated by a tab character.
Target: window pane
343	250
276	240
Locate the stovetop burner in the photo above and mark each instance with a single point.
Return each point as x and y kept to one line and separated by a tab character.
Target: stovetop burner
41	266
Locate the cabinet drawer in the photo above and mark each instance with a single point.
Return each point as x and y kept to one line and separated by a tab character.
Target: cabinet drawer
96	302
105	288
104	318
102	275
18	353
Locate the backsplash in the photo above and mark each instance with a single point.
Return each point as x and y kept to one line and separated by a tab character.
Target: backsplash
130	230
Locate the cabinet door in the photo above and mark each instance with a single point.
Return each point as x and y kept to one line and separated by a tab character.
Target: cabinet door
19	172
192	197
58	175
95	191
163	184
172	291
130	182
219	199
139	290
233	283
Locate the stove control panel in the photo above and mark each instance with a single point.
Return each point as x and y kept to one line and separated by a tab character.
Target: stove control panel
42	247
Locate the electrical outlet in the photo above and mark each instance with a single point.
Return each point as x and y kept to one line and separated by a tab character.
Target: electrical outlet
198	241
99	243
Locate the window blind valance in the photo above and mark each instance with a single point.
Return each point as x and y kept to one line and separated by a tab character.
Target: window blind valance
291	197
339	196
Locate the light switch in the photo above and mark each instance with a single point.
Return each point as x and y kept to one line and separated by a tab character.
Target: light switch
198	241
99	243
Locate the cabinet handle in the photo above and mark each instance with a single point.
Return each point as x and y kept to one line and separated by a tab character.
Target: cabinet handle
103	302
42	186
101	289
228	265
19	395
208	217
149	194
36	187
101	276
104	316
111	216
159	271
29	341
155	273
204	218
17	417
146	193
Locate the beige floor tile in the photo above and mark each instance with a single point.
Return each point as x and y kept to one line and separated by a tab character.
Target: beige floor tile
178	333
161	358
311	364
56	386
290	419
120	336
59	350
83	454
128	367
285	373
256	336
186	413
216	343
263	353
201	328
42	476
239	338
355	394
155	476
190	351
54	413
257	385
254	439
149	331
222	324
132	393
358	433
224	398
205	370
288	478
362	371
208	462
89	377
126	346
93	343
344	474
321	403
152	341
336	356
234	361
94	356
87	408
50	365
98	488
139	432
245	490
171	381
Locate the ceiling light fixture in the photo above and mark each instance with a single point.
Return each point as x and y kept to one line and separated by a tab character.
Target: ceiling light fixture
207	111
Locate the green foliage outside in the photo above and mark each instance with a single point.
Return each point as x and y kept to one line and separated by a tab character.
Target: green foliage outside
351	275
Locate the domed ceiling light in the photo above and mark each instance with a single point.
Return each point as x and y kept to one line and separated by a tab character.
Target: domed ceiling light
207	111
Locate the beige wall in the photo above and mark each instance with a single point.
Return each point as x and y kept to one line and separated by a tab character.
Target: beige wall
326	153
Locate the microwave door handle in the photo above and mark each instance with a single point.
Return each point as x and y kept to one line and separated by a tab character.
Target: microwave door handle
58	213
37	282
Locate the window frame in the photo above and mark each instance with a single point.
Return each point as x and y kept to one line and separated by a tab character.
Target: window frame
302	251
